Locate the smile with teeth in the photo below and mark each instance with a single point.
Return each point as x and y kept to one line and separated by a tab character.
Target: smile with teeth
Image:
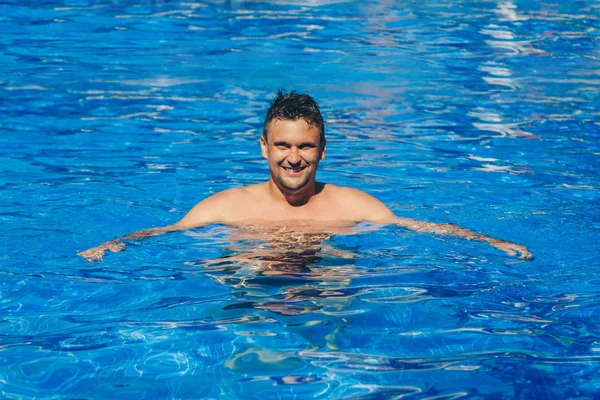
294	169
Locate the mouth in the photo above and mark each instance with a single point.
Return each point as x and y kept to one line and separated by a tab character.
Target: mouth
294	170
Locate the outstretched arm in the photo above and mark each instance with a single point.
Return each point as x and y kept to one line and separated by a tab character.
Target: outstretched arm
204	213
373	210
447	229
96	253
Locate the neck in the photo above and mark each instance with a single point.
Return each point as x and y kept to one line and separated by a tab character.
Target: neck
294	198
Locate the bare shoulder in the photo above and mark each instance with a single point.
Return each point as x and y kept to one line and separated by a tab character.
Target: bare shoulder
215	208
348	194
364	206
259	189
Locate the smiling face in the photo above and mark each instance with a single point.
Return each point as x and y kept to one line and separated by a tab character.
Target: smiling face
293	150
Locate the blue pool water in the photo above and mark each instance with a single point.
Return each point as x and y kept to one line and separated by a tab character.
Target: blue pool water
117	117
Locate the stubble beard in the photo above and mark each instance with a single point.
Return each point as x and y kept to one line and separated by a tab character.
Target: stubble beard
292	184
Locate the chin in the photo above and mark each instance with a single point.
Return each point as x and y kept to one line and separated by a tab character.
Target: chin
293	186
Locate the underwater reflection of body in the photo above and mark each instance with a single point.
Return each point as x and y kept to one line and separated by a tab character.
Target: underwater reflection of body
296	278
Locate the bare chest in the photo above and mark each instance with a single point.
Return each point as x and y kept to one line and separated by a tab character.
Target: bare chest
273	211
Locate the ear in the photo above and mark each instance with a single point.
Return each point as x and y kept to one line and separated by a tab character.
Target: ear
263	146
323	149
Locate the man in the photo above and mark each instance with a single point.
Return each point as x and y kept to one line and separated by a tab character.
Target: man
293	142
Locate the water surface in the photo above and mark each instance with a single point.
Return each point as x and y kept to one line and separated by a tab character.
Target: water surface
117	117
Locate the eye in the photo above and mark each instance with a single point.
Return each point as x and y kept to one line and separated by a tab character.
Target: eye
307	146
281	145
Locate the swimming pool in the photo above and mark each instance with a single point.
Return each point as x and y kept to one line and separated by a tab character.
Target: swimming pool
118	117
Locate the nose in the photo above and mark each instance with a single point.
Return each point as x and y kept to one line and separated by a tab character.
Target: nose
293	157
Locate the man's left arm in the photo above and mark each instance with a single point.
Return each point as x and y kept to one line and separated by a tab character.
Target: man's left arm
373	210
512	249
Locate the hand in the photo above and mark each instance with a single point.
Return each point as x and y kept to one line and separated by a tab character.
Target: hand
96	253
512	249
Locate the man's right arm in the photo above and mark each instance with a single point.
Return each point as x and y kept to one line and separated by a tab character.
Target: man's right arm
208	211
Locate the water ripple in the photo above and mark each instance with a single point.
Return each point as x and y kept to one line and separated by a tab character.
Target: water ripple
116	117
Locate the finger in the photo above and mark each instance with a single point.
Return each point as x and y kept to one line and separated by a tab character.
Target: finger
91	256
526	255
84	254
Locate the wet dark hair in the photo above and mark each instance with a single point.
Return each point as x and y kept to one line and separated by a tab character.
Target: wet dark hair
293	106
